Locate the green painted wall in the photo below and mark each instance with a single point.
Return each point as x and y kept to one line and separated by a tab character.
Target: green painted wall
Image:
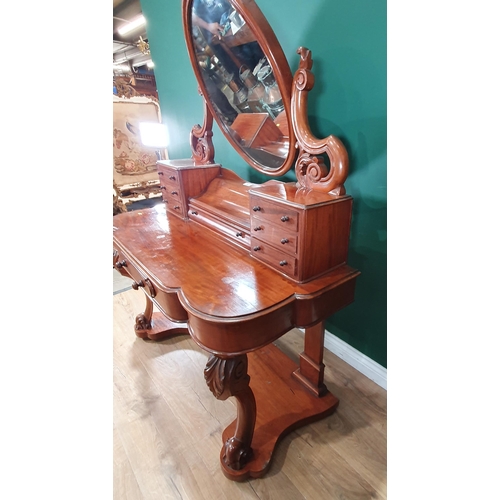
348	44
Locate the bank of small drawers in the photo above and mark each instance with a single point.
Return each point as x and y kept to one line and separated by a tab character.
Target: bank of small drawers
170	187
274	234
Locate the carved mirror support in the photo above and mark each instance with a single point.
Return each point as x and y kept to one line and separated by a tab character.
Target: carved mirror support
310	168
202	147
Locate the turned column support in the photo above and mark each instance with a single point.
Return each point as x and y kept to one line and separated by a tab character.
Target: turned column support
227	377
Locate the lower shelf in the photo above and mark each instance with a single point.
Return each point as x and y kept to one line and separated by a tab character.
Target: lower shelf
162	328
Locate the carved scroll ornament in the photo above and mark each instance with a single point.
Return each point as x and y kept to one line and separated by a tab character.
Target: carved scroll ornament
202	146
229	377
310	168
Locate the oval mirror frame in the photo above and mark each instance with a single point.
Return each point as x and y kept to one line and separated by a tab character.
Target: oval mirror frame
271	48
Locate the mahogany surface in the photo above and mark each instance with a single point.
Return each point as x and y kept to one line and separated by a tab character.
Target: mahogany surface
232	304
237	265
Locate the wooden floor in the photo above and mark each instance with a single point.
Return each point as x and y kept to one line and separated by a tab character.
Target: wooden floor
168	425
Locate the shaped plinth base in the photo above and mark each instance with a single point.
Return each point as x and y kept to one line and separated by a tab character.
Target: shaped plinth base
283	405
160	328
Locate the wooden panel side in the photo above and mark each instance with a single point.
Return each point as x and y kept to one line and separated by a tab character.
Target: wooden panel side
324	238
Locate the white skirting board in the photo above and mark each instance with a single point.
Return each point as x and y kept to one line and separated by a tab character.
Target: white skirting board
356	359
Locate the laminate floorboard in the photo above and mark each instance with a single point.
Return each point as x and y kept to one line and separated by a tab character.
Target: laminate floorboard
168	425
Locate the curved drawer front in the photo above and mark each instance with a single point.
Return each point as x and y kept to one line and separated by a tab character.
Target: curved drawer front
167	302
237	235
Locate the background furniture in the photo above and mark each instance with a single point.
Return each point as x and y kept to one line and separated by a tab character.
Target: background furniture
134	165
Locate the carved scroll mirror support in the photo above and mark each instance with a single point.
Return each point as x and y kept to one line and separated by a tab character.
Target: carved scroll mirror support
202	147
310	168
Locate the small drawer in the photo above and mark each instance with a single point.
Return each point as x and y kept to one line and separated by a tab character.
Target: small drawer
168	176
278	236
237	235
170	192
279	260
174	205
282	215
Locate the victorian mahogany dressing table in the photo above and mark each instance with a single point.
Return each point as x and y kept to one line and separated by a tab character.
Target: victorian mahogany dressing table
237	265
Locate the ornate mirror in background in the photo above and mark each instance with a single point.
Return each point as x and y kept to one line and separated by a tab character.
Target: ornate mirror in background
245	79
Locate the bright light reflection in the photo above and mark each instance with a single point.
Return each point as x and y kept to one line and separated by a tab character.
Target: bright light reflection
153	134
245	292
161	217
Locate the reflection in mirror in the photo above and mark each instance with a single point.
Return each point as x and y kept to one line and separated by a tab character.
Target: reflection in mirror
240	82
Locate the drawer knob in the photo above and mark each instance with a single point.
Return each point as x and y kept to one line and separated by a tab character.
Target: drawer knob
284	240
137	284
122	263
146	284
239	235
256	249
283	263
175	192
160	173
256	208
163	187
177	207
171	177
258	228
285	218
194	212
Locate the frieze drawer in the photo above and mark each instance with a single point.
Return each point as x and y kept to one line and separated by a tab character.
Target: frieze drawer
123	265
167	302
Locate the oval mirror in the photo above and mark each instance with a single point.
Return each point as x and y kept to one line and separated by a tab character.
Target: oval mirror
245	79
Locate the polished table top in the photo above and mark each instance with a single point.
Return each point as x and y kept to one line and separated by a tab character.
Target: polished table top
233	302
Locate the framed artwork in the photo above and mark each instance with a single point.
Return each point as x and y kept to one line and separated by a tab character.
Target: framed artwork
134	165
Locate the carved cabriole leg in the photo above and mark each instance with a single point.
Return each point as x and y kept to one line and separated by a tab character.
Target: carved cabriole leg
143	320
311	368
228	377
156	326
